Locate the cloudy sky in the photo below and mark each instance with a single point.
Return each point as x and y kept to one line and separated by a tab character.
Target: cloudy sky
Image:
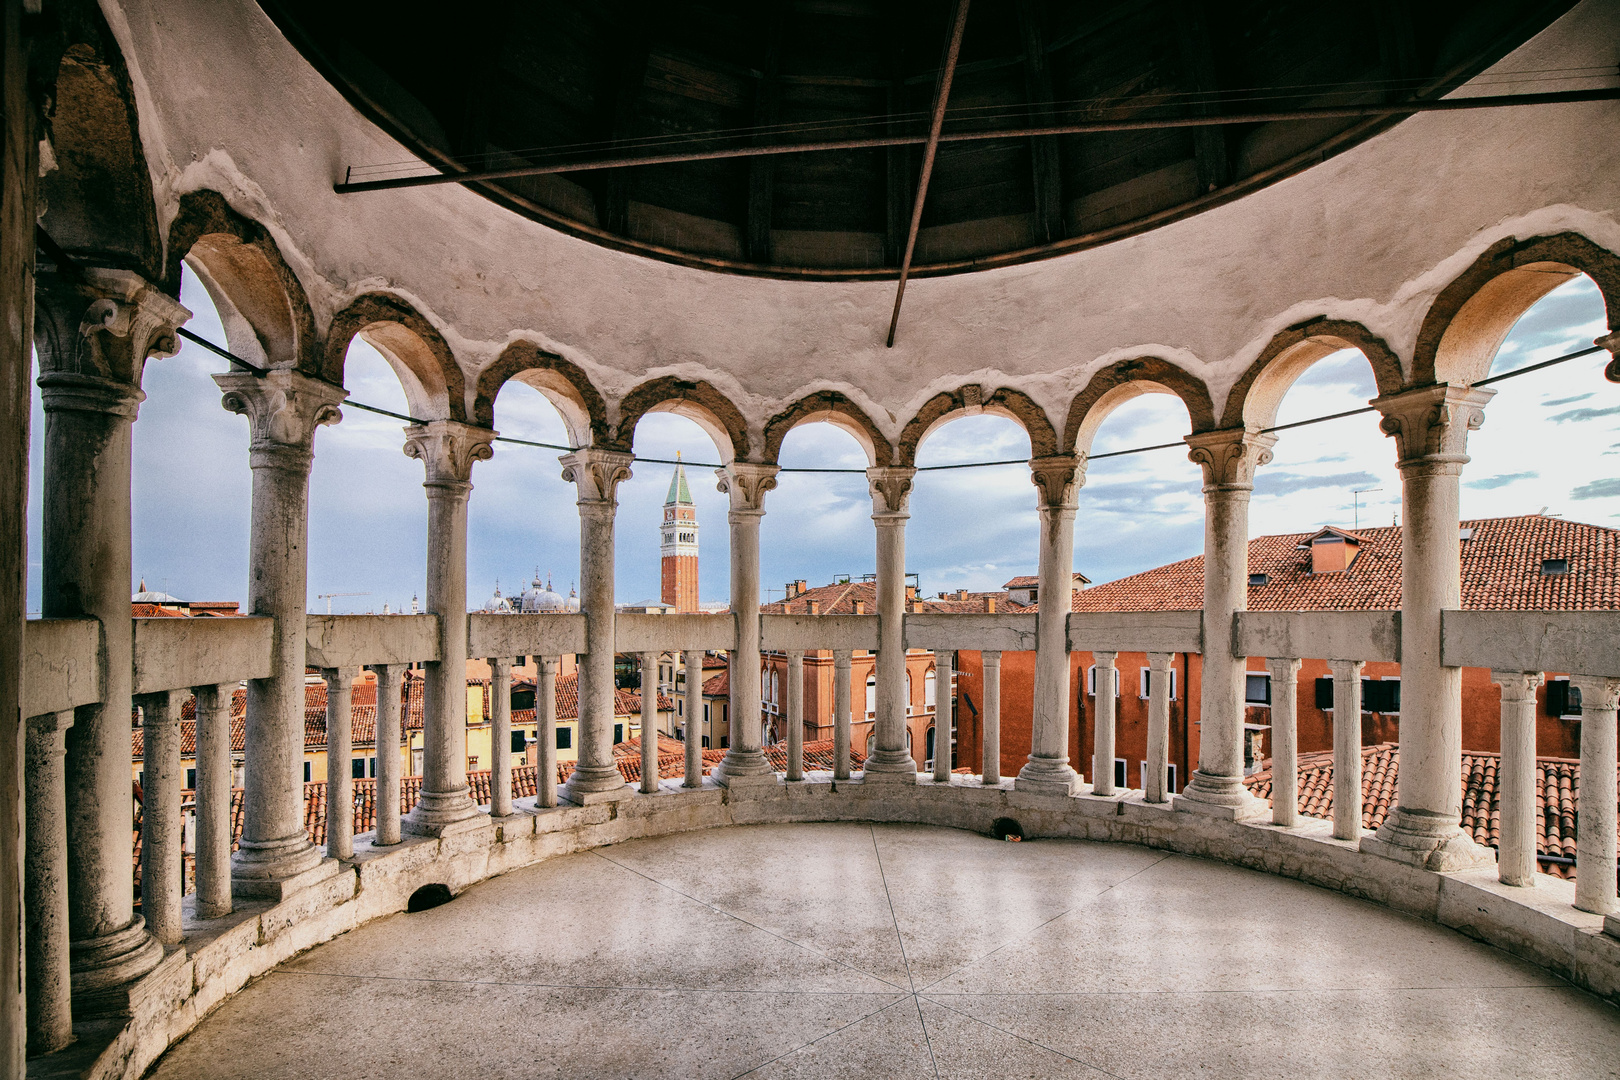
1545	444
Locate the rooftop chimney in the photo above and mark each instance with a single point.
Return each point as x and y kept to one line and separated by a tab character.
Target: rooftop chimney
990	605
911	592
815	607
860	607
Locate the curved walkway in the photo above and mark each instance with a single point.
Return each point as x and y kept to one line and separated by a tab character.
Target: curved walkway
835	950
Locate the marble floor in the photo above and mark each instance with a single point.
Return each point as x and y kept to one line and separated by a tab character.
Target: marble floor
842	950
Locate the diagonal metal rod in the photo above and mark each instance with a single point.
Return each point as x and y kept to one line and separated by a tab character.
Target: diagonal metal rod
942	94
1079	127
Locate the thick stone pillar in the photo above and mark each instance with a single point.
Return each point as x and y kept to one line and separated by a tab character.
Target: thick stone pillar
795	714
1516	777
747	484
942	716
545	735
283	410
340	761
649	723
388	755
1048	771
1229	459
891	495
597	475
1595	817
447	450
1156	774
1105	700
94	337
213	725
1346	748
692	661
1430	427
1284	740
500	737
841	714
162	839
50	1011
990	664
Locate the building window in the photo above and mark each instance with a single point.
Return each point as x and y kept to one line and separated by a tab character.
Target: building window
371	763
191	779
1091	681
1119	774
909	709
1554	567
1563	699
1324	693
357	768
1147	682
871	695
565	738
472	762
705	742
520	742
306	772
930	695
1256	689
618	733
1381	696
1170	778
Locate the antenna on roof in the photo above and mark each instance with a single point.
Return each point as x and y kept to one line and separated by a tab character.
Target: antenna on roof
1355	512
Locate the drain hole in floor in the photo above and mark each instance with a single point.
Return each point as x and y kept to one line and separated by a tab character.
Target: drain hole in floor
429	896
1005	828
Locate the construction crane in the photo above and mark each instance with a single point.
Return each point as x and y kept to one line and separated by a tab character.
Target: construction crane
327	596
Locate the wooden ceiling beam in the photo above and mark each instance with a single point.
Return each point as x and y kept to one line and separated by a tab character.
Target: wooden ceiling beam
762	170
1198	62
619	112
1045	162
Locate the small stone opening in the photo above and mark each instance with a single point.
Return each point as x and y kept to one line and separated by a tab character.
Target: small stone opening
429	896
1005	828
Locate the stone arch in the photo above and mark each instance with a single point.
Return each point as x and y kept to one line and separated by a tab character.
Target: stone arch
1254	400
697	401
562	383
265	310
834	408
1466	323
1126	379
967	400
413	346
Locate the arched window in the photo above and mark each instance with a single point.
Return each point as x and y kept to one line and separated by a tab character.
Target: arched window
871	695
928	690
908	693
776	689
930	747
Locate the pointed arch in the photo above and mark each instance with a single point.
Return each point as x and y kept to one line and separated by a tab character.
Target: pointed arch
697	401
263	305
834	408
1467	322
1125	379
413	346
562	383
1254	399
967	400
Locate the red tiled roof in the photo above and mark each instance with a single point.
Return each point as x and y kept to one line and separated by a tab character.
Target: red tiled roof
718	685
841	599
1501	570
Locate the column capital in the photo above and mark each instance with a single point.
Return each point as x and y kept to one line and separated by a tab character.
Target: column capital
597	473
1611	341
1517	686
448	448
1599	693
283	407
1230	456
107	324
1430	425
51	723
1058	478
891	491
747	482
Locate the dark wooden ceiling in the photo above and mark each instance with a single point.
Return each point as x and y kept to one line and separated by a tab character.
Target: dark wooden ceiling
501	82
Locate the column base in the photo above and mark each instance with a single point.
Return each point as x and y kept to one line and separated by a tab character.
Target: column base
100	967
741	763
1611	925
1223	797
597	784
260	866
890	765
1429	841
1048	776
439	812
278	889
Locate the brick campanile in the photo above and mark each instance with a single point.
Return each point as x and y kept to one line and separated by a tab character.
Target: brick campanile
678	544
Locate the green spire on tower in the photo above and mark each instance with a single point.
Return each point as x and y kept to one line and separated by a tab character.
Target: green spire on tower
678	491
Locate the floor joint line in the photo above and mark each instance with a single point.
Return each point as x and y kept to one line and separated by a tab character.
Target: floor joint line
912	983
1031	1042
903	996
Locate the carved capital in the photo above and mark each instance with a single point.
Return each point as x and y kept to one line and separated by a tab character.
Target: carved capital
1517	686
747	483
1599	694
1431	425
1058	479
283	407
891	490
597	473
1230	457
448	448
107	325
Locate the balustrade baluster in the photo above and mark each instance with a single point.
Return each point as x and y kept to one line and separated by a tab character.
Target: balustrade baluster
213	725
990	661
1284	740
649	723
545	733
795	714
340	761
500	737
162	839
50	1010
1156	774
388	753
692	660
942	716
1102	757
1516	777
841	719
1347	748
1595	823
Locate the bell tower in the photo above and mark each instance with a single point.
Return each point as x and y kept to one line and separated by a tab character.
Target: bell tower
678	544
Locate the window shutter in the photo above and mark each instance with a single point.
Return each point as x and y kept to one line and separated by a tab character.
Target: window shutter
357	768
1563	699
520	742
1324	693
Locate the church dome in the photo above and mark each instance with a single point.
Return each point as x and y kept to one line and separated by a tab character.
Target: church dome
152	596
498	604
539	598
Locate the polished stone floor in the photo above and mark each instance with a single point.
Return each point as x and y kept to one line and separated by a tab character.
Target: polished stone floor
843	950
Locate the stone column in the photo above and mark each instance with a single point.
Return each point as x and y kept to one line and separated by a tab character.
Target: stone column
990	663
942	717
545	735
94	337
1105	683
747	484
162	839
841	714
1229	459
1430	427
45	892
1516	777
692	661
1284	741
795	714
597	475
447	450
388	753
213	725
500	737
649	723
1156	777
283	409
1346	748
1595	819
340	761
891	495
1048	771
